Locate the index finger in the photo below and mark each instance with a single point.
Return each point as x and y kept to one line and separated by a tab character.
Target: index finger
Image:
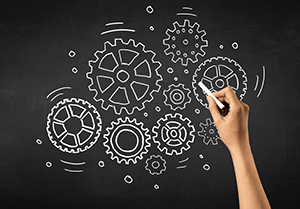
228	94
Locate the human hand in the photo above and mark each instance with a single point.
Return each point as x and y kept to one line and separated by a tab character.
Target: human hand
233	127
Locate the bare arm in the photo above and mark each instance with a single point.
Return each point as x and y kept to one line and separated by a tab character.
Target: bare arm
233	130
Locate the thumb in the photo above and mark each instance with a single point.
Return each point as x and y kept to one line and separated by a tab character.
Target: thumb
213	109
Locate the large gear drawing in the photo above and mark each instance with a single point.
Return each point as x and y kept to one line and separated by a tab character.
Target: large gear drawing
217	73
209	132
124	76
185	42
73	125
117	140
156	165
173	134
177	96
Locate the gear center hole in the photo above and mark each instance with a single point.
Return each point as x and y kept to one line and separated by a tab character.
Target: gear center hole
73	125
123	76
173	133
220	83
127	141
155	165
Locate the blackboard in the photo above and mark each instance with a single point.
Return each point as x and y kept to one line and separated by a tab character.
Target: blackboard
99	107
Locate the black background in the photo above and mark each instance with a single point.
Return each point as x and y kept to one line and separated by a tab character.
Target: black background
35	39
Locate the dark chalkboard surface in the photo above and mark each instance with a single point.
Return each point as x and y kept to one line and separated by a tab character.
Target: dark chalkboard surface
100	106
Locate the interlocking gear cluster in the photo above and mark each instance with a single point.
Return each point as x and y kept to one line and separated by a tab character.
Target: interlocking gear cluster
73	125
185	42
119	132
173	134
217	73
124	76
209	132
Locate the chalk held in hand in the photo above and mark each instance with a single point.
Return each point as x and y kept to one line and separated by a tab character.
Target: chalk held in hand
206	90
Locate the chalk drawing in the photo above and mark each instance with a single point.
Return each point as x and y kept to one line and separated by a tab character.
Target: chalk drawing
173	134
177	96
48	164
182	161
151	28
156	186
72	170
118	133
72	163
73	125
187	8
209	132
149	9
114	23
72	53
221	46
186	14
124	76
201	156
118	30
186	71
128	179
185	42
175	78
156	165
206	167
235	45
57	90
197	111
170	70
217	73
256	84
263	81
101	164
74	70
145	114
158	109
38	141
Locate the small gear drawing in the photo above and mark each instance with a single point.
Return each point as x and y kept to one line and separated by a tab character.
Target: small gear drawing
217	73
173	134
73	125
156	165
177	96
185	42
124	76
118	138
209	132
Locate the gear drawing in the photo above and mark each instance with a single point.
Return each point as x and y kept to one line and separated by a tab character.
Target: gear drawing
126	140
124	76
209	132
185	42
73	125
173	134
156	165
217	73
177	96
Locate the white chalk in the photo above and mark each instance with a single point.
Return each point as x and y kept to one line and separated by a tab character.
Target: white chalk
221	106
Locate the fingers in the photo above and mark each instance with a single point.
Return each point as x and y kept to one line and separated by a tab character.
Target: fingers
214	111
227	94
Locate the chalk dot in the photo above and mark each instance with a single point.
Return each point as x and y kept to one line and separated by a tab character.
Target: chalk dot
186	71
157	108
74	70
149	9
173	46
128	179
221	46
177	31
38	141
156	186
145	114
178	52
190	31
197	45
173	38
192	52
175	79
201	156
197	111
72	53
48	164
101	164
235	45
151	28
196	37
206	167
170	70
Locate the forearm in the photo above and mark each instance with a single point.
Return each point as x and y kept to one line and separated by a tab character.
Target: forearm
250	190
